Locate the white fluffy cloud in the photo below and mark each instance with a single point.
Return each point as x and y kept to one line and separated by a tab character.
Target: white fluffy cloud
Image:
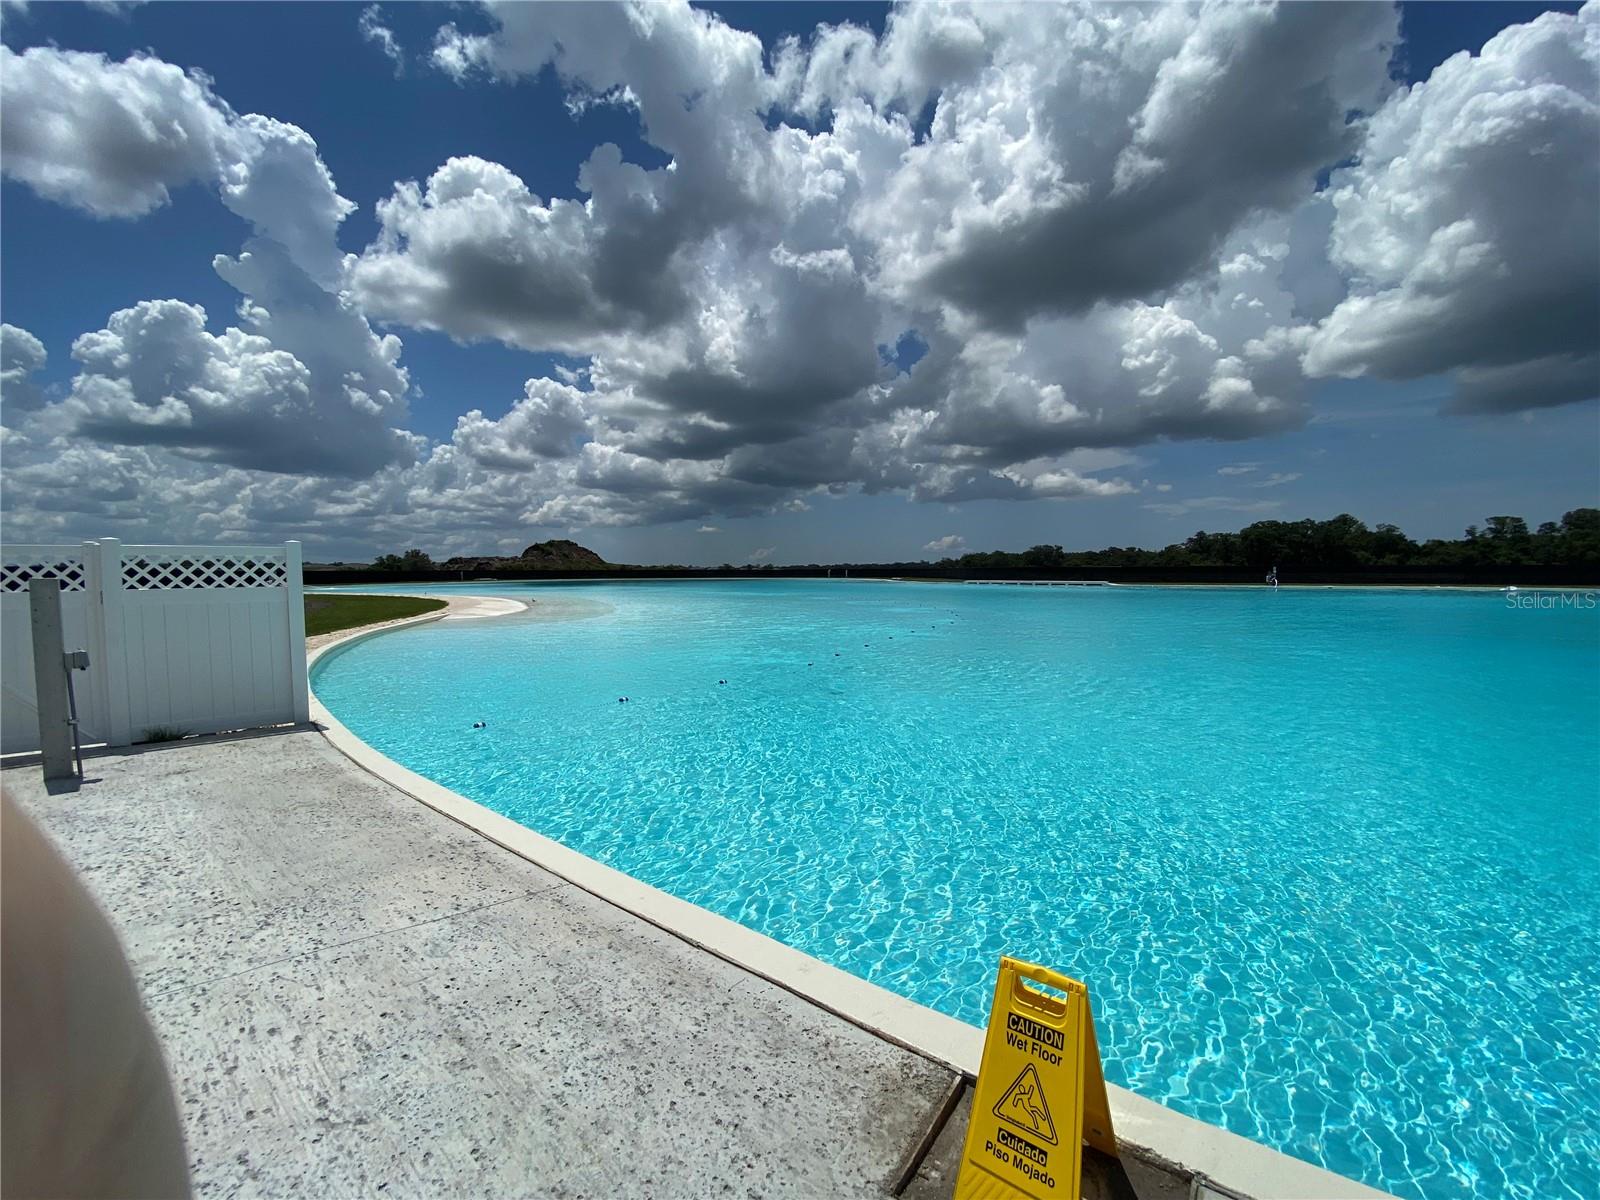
733	305
549	422
1468	226
1106	154
278	182
474	253
301	385
21	354
114	139
303	388
110	138
976	257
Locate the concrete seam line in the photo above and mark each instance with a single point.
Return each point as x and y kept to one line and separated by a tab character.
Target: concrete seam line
918	1151
365	937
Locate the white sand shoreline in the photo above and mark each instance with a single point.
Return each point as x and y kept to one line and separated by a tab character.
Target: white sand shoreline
456	607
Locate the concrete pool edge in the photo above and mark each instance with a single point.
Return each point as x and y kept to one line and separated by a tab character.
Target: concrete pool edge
1233	1161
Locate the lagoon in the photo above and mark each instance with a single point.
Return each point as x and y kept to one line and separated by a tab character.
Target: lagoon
1329	860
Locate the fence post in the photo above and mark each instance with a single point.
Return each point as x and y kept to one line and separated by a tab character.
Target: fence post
112	643
294	586
50	676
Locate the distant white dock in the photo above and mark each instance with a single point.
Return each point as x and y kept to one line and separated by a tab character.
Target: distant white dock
1041	582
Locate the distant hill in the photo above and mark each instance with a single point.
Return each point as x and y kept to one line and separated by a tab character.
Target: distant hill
562	554
557	555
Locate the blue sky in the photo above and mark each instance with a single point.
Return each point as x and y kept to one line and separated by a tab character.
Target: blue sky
793	457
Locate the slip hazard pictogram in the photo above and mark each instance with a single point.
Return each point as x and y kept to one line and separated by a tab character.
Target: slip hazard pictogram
1025	1107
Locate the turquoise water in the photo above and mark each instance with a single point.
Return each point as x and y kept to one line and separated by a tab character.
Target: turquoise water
1329	861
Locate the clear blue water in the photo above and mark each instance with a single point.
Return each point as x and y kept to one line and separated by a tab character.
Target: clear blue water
1329	861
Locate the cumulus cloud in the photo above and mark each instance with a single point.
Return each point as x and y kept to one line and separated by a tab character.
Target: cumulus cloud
474	253
1209	362
926	49
109	138
950	543
301	385
737	350
1468	225
548	422
114	139
979	256
762	555
492	260
1104	154
728	319
279	394
21	354
278	182
708	529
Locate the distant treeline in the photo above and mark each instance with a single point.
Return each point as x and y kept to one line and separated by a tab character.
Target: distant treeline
1343	549
1339	544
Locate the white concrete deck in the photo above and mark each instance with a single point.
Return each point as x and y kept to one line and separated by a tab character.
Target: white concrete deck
356	995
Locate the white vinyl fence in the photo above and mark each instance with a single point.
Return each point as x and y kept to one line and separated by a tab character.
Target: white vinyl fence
194	638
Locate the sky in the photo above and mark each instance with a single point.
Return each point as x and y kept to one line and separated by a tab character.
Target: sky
792	282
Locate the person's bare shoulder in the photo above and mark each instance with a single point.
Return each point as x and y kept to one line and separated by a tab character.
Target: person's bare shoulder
85	1100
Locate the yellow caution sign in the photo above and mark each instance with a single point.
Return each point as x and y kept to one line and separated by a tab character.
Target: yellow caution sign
1040	1093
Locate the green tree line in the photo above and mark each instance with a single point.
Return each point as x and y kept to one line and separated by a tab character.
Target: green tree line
1342	541
411	560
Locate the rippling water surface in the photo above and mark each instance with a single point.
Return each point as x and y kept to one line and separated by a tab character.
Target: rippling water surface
1328	860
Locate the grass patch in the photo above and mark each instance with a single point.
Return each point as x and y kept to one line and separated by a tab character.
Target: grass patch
161	733
330	613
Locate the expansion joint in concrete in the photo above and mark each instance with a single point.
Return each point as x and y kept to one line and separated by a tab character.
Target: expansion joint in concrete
366	937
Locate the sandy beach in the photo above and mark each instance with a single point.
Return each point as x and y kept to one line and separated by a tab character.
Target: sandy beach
477	607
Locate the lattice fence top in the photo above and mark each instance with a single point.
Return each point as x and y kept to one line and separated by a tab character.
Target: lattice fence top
18	568
181	571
